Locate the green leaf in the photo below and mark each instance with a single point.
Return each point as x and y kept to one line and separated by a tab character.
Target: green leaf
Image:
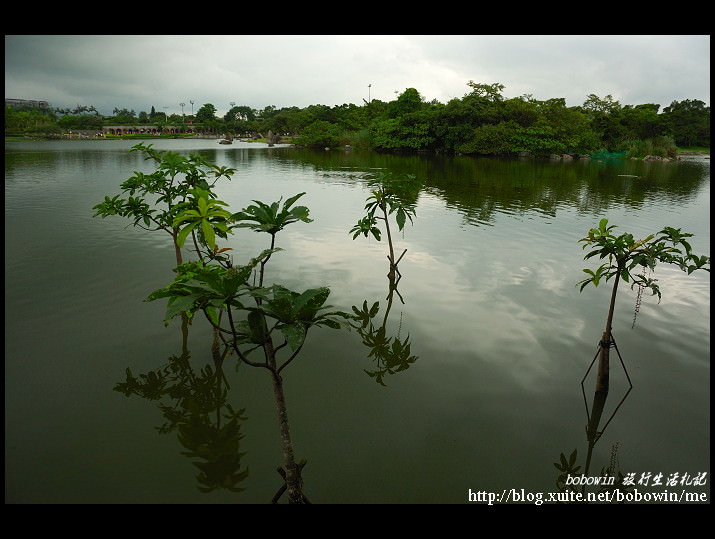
400	217
256	323
209	234
186	215
334	324
213	314
294	335
178	304
311	300
184	233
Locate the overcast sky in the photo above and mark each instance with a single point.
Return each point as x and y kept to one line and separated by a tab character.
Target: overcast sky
138	72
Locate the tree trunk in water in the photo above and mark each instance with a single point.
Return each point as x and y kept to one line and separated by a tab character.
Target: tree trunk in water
602	379
603	376
599	401
177	249
391	257
184	334
292	477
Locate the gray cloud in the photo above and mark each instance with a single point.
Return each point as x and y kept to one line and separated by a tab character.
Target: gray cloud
138	72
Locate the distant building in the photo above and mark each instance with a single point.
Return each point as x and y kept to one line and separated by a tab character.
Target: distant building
26	103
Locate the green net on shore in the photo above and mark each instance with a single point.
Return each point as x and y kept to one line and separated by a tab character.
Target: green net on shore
608	155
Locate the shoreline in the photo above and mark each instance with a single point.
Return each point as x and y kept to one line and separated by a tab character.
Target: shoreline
681	156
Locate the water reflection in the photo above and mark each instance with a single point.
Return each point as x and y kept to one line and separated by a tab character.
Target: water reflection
595	413
391	354
480	188
194	404
573	489
573	481
496	303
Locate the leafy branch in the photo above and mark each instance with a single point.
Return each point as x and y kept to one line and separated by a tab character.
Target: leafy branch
389	195
154	201
272	319
625	255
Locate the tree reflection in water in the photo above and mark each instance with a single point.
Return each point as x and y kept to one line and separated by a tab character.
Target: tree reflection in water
391	354
195	406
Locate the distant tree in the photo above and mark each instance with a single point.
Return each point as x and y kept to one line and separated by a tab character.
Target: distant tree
207	113
523	111
83	109
570	125
124	116
27	120
597	106
408	101
286	120
239	113
605	116
266	112
319	134
492	92
124	112
491	139
642	121
80	121
351	117
688	122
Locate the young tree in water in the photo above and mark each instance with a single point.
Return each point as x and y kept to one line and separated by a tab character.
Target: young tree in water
269	319
624	256
153	201
389	195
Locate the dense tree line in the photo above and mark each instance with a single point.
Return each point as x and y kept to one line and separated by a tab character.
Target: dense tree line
483	122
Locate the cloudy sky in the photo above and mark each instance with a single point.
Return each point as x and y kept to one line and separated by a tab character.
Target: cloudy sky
138	72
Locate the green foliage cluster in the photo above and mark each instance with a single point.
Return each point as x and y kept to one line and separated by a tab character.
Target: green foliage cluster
246	316
249	316
662	146
177	192
389	195
482	122
625	255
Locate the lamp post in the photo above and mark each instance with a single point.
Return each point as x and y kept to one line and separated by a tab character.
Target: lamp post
182	112
368	92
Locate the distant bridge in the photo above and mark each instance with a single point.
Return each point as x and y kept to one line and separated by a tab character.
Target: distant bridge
148	129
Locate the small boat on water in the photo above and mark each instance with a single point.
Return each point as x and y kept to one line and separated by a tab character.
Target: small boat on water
227	140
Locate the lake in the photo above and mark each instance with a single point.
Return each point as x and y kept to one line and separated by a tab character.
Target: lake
500	337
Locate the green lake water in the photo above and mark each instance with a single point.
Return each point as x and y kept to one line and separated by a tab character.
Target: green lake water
500	334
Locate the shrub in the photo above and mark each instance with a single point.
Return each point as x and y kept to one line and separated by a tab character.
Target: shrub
319	134
661	146
490	139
